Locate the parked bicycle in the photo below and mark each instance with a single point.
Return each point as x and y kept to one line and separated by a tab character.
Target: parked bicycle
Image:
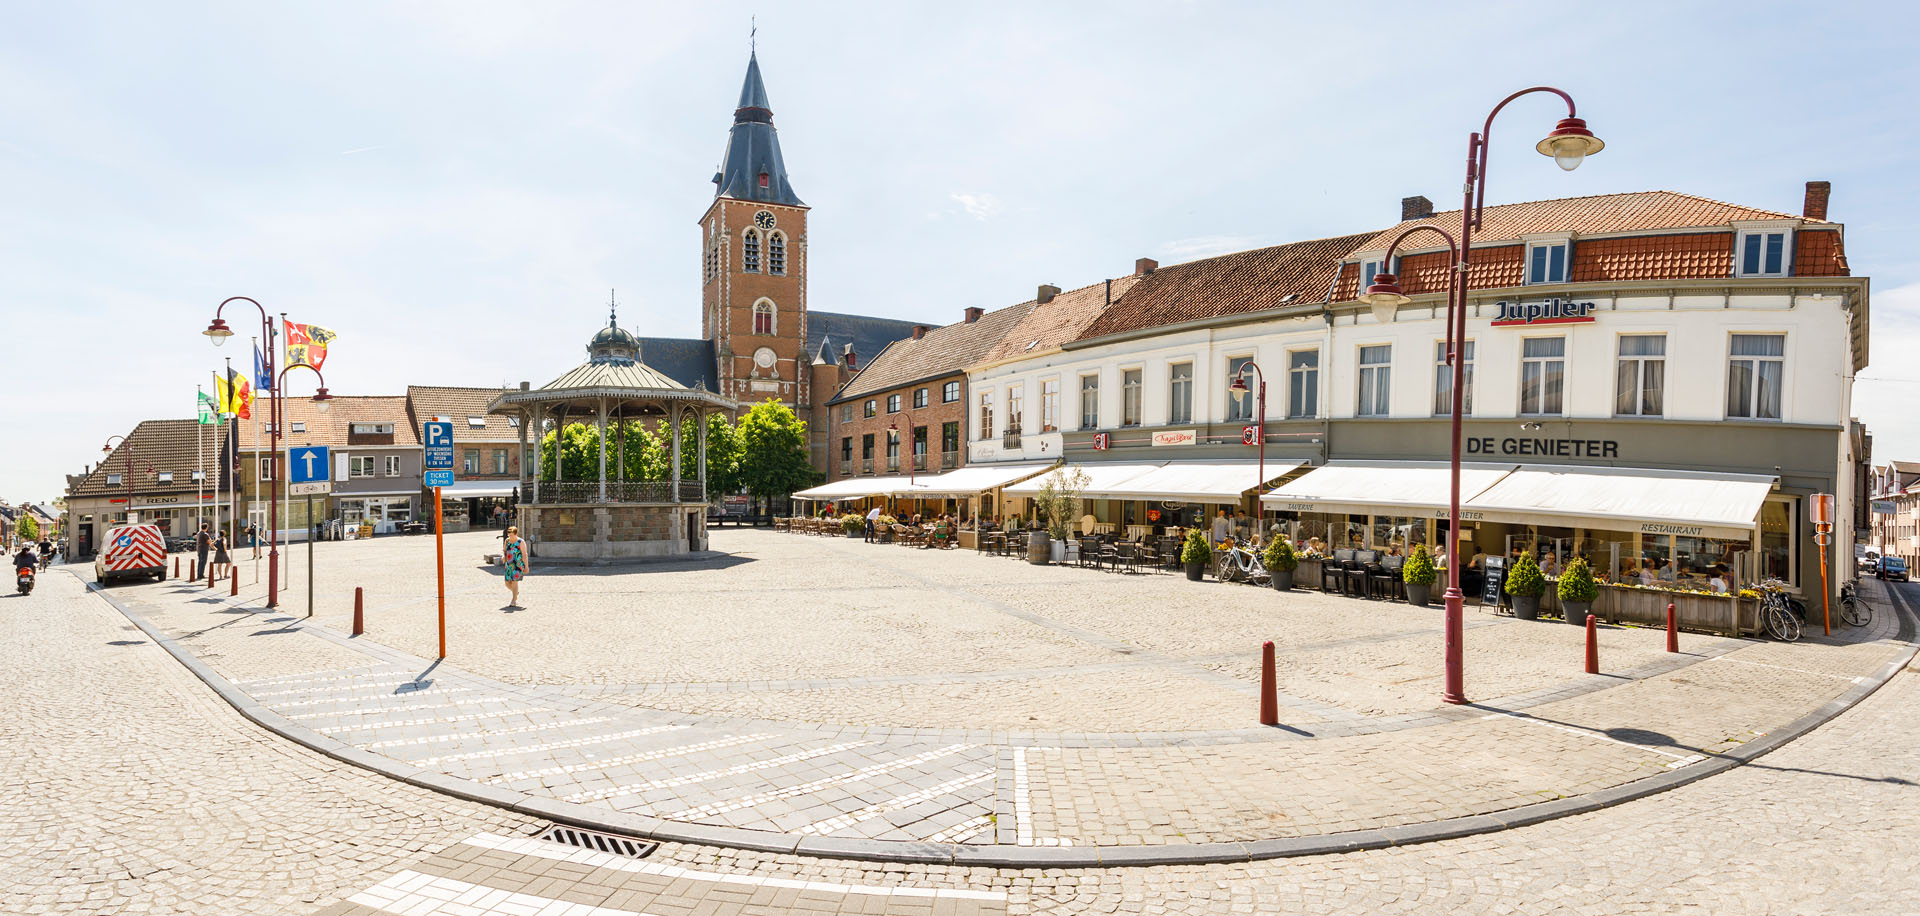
1239	564
1854	608
1776	615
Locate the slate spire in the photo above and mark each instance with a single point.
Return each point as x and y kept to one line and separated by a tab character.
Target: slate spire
752	168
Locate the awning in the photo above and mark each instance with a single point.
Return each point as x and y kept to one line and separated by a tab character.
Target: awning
971	480
469	489
1102	478
1686	503
1200	481
854	488
1382	487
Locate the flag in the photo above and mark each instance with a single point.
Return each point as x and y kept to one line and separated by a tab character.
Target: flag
209	408
235	397
307	344
262	373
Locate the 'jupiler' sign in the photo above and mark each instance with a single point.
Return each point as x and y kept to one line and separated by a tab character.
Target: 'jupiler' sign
1543	311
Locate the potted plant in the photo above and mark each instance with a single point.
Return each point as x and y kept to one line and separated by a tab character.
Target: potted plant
1418	575
1524	585
1197	554
1059	503
1578	591
1280	562
853	524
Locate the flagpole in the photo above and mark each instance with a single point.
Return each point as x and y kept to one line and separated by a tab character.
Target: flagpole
256	469
199	463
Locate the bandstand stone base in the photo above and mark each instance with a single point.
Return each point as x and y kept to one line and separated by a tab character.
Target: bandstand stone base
600	533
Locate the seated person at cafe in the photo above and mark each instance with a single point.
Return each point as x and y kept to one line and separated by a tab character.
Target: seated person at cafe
1550	564
1718	584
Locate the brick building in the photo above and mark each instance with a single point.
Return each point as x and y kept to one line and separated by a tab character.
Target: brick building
375	450
486	452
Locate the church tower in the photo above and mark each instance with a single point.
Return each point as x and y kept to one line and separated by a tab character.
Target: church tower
754	263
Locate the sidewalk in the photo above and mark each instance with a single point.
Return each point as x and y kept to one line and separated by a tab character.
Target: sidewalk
990	796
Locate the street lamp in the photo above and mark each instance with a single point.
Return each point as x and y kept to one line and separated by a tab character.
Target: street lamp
893	429
1239	386
1569	143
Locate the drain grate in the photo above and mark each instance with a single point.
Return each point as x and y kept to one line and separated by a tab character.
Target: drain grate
599	842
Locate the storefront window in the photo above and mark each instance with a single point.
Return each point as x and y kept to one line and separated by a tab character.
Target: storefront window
1398	533
1777	519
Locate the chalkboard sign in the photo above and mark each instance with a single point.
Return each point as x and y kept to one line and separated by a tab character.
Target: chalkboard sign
1492	593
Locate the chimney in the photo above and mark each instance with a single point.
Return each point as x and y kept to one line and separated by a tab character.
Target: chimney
1415	207
974	312
1144	266
1046	293
1816	207
919	331
847	356
524	386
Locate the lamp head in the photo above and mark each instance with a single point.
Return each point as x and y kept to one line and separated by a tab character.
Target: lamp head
1385	296
1570	143
322	400
219	331
1239	385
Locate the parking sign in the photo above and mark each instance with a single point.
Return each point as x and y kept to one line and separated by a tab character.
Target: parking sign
437	435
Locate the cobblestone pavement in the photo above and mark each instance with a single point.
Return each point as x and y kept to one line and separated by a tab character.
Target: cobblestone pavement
910	731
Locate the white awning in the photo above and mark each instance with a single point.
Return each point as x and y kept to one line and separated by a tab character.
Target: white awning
466	489
1382	487
854	488
1686	503
1220	482
1102	477
972	480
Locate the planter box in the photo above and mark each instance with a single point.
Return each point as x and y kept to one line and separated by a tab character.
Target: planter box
1723	614
969	540
1307	574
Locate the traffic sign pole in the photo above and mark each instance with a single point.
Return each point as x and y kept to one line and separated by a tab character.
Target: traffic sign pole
437	460
440	569
312	531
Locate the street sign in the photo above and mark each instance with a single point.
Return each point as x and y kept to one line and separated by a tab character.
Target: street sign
1249	435
437	436
1820	507
307	464
440	478
310	488
1102	441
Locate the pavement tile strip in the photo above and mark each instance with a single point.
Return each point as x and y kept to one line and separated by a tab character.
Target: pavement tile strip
979	787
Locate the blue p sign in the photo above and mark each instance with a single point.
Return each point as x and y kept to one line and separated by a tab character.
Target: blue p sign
437	437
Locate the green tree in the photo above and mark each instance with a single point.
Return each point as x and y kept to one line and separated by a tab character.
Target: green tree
773	451
28	529
723	457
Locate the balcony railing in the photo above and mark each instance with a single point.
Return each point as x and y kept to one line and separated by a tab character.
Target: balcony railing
893	464
866	466
920	462
949	459
1010	440
620	491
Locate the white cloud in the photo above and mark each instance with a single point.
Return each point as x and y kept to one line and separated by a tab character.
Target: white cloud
1885	392
978	206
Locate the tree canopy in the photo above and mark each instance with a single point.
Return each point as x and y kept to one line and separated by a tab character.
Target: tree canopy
773	451
765	453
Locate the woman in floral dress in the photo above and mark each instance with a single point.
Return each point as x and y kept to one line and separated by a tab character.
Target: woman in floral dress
514	558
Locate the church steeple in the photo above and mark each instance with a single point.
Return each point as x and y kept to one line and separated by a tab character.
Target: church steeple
752	168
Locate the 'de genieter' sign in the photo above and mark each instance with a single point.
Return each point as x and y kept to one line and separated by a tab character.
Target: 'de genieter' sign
1542	311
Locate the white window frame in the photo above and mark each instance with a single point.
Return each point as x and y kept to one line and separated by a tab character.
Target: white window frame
114	480
1236	400
986	414
163	477
1134	414
1566	262
1443	379
1090	419
299	426
765	306
1175	409
1640	375
1761	232
476	422
1380	374
199	476
1016	406
1369	268
393	465
266	466
1312	405
1525	360
1050	405
1753	393
359	466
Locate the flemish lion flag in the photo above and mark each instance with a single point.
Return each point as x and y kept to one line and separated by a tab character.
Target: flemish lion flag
307	344
209	408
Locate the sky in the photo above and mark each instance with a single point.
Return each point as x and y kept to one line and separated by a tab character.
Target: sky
455	187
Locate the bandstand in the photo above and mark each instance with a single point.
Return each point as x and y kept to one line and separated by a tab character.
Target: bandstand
611	519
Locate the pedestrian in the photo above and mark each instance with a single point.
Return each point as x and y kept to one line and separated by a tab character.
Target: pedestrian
222	563
1222	527
873	520
253	538
202	543
513	556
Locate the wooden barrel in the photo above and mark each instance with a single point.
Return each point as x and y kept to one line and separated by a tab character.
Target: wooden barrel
1039	547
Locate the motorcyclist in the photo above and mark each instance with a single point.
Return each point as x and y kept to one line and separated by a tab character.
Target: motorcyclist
46	553
25	559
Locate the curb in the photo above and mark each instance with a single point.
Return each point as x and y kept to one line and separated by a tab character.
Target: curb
591	818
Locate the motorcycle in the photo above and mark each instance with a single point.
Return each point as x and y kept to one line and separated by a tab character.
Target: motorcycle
23	579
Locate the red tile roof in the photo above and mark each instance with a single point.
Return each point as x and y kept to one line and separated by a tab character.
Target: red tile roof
941	351
1230	284
1637	211
329	428
1819	254
459	405
1057	321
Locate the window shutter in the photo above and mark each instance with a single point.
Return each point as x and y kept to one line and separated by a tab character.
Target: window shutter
342	464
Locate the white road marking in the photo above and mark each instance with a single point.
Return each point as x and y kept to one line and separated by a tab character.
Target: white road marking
737	769
411	893
401	707
402	723
551	745
1572	730
434	692
963	831
859	775
896	803
659	754
455	736
1023	803
592	858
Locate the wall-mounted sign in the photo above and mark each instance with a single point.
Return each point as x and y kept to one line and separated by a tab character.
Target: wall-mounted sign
1249	435
1102	441
1543	448
1884	507
1153	515
1543	311
1175	437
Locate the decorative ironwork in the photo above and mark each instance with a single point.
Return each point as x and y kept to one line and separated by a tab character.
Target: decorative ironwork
619	491
949	460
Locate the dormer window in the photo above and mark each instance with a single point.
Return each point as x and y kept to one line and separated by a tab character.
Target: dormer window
165	477
1761	253
113	480
476	422
1368	269
1547	262
765	179
299	426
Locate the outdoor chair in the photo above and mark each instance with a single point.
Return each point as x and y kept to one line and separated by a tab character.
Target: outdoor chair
1383	578
1333	572
1170	551
1354	572
1146	555
1089	552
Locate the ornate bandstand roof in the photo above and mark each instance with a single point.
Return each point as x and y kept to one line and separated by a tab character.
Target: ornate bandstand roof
613	371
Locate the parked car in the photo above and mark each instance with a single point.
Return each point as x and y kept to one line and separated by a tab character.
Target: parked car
1892	569
131	552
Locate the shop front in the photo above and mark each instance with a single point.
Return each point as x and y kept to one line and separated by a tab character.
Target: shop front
1135	499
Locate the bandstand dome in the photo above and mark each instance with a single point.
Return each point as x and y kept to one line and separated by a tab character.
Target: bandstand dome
610	518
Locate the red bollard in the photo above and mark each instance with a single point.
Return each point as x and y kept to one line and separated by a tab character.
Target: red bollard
1593	645
1269	690
209	573
176	567
233	576
359	624
1673	632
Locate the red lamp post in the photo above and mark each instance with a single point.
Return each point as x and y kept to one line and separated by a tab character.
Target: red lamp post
1569	143
1240	386
894	428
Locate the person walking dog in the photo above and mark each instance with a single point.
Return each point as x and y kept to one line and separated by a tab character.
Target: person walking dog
513	556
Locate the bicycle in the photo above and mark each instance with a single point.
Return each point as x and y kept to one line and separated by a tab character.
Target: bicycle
1854	608
1238	564
1776	615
